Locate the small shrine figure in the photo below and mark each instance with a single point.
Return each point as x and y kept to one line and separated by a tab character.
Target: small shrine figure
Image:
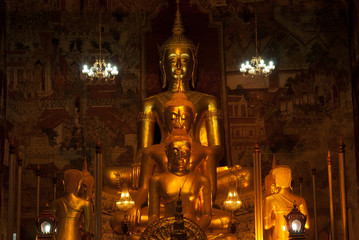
69	208
278	204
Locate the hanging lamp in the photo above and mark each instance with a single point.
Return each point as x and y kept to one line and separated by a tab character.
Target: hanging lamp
256	66
100	72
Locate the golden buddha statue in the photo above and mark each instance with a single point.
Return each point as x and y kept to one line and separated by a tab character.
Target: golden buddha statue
88	181
69	208
178	114
86	192
278	204
178	64
195	188
269	188
177	108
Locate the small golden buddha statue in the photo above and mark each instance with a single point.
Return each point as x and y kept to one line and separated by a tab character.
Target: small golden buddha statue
69	208
195	188
178	66
269	188
86	192
278	204
88	181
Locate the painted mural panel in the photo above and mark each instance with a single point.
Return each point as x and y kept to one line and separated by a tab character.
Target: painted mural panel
57	118
355	34
302	109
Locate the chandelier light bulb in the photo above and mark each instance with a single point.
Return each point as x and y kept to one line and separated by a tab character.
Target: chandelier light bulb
85	70
114	71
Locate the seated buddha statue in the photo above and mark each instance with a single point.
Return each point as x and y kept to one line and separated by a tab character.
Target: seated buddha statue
178	65
178	114
278	204
69	208
195	188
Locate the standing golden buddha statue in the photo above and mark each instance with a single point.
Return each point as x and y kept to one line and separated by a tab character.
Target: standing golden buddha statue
86	192
278	204
69	208
178	65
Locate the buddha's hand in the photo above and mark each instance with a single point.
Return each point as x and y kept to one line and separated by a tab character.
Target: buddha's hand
133	215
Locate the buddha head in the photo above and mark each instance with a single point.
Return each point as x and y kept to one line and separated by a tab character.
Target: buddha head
179	113
282	176
178	55
72	181
269	184
178	151
88	182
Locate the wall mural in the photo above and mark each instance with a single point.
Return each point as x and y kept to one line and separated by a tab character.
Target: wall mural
299	112
355	34
57	119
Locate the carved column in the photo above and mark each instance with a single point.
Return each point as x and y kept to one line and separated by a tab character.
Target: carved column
54	183
343	199
98	192
314	172
257	193
331	202
18	206
11	198
38	191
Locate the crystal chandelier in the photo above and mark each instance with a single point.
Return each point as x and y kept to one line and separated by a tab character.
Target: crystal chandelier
256	66
232	202
125	202
100	70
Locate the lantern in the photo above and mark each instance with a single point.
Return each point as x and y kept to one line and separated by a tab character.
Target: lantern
46	225
296	223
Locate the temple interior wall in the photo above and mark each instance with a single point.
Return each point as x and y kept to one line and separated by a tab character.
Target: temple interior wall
296	114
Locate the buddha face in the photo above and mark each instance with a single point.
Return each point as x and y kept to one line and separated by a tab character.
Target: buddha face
178	63
180	117
178	153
